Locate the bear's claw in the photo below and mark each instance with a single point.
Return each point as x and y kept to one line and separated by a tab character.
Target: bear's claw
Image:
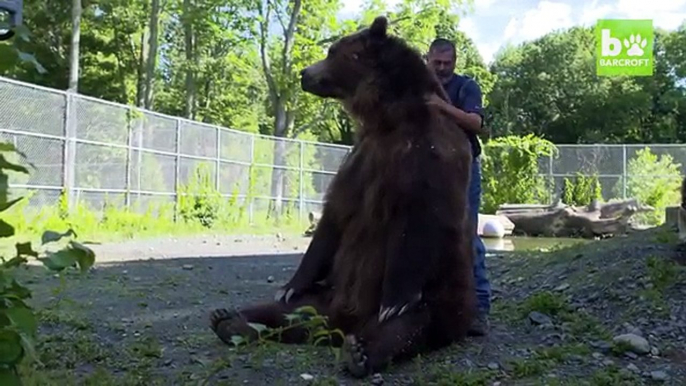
284	295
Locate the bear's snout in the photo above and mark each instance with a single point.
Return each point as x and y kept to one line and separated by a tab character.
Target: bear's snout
313	81
310	80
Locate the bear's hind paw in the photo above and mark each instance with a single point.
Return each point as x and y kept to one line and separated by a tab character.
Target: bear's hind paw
227	323
354	357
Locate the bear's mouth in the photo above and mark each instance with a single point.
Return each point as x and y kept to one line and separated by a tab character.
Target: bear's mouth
321	87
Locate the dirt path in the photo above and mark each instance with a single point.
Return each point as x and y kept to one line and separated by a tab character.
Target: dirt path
140	318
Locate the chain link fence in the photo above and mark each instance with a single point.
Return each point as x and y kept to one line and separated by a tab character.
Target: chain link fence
102	152
623	170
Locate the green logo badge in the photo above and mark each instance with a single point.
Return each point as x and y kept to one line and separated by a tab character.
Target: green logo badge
624	47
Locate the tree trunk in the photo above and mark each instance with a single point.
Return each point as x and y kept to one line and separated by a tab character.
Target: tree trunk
153	45
76	11
282	126
142	67
283	116
190	59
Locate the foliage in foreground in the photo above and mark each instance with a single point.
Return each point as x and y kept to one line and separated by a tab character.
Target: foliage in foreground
18	323
305	317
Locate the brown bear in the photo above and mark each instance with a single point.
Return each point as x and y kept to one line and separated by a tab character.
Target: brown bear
390	262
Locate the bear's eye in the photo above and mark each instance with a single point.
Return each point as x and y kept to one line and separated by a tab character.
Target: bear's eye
355	56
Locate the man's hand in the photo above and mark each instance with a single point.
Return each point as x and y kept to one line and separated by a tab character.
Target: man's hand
435	100
468	121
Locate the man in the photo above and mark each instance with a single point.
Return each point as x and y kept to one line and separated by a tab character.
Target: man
466	108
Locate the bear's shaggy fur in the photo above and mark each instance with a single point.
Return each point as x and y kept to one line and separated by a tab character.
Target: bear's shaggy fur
390	262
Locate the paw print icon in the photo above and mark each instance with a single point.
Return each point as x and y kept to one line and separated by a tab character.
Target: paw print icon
635	45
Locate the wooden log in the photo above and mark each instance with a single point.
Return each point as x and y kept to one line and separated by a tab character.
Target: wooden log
560	220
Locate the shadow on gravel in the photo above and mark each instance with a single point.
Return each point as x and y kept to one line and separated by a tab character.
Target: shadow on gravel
146	323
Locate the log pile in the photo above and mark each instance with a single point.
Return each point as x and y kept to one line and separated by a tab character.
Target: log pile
560	220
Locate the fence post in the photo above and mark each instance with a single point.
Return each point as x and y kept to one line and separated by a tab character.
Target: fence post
251	182
129	155
551	179
69	152
301	189
139	146
624	176
218	159
177	169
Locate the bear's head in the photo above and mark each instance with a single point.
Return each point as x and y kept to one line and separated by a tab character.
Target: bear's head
368	65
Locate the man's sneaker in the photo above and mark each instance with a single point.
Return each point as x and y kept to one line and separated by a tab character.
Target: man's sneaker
480	325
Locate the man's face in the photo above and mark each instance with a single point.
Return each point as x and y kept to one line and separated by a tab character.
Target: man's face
443	62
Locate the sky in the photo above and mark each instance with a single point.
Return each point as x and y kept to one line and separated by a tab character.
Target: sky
494	23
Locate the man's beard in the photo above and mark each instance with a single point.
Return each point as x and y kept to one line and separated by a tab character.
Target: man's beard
443	75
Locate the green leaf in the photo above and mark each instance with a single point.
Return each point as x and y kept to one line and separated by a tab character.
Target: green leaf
85	256
258	327
11	350
14	262
9	377
7	147
58	261
25	249
6	230
237	340
6	165
306	310
6	205
52	236
24	319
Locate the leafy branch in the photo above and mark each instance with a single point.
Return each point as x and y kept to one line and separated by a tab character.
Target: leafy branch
305	317
18	322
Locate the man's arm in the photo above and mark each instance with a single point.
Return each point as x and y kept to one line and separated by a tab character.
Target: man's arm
471	118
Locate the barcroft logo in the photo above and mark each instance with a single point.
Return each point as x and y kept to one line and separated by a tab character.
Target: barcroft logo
624	47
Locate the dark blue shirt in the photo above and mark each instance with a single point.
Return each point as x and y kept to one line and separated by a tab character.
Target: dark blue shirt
465	94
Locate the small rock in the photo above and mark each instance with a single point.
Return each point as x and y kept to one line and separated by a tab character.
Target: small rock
493	366
660	376
633	330
497	384
377	379
576	358
655	351
638	344
633	368
538	318
630	355
597	356
602	346
608	362
188	267
306	377
562	287
270	279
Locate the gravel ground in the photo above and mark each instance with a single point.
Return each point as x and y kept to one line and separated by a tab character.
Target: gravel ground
610	312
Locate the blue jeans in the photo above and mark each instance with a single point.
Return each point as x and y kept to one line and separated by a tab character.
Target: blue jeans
483	286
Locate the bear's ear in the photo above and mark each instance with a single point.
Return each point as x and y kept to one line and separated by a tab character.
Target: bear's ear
379	27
